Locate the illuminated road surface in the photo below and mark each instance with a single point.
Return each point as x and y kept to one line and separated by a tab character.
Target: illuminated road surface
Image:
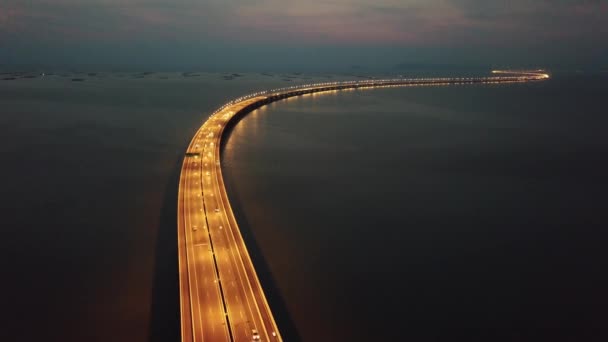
221	298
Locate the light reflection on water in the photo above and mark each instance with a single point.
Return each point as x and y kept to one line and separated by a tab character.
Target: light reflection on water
432	213
456	207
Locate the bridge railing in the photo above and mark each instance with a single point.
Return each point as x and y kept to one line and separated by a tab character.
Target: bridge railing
517	76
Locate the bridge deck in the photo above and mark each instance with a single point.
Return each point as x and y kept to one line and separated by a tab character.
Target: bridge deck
221	298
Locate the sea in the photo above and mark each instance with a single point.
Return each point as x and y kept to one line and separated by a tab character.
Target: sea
448	213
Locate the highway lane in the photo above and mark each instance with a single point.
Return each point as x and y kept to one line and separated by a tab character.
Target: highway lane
185	304
204	303
267	325
201	201
265	322
208	291
243	308
217	329
221	298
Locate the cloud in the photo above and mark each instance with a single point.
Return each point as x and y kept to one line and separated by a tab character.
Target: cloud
109	19
336	21
430	22
462	24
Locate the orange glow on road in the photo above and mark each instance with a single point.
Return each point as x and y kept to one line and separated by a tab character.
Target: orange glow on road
221	298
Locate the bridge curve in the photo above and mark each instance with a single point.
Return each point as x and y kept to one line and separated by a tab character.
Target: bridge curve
221	298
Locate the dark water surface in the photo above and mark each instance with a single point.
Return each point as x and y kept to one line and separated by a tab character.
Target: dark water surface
471	213
421	214
89	192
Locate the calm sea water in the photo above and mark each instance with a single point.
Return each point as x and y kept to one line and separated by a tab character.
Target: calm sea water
425	214
472	213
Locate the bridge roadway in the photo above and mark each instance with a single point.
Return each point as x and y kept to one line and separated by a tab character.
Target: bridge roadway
221	298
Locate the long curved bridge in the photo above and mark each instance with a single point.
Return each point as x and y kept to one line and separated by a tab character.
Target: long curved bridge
221	298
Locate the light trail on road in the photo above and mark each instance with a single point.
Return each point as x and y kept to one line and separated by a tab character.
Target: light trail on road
221	298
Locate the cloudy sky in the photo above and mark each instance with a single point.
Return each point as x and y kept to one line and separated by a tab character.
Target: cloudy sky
246	34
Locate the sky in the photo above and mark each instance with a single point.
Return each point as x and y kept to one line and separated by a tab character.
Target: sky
306	34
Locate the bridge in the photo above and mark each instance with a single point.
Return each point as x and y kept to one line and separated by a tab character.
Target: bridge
221	298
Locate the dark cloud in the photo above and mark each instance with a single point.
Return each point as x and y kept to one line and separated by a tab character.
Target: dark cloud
559	31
